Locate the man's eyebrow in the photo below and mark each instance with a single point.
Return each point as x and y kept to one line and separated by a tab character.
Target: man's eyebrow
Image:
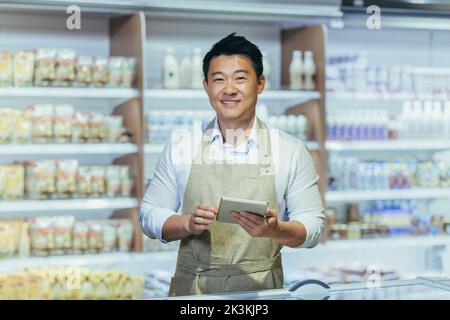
242	70
217	73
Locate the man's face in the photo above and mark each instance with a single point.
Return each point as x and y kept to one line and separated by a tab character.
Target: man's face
232	87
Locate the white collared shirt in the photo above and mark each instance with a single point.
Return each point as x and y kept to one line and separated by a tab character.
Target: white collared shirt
296	178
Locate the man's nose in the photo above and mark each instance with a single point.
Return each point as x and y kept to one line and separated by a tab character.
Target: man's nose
230	87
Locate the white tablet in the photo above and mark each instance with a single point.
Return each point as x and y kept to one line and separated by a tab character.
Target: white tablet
228	205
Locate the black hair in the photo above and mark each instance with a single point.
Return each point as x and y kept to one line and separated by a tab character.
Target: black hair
231	45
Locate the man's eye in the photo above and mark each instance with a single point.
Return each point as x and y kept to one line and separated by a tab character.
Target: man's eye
218	80
240	78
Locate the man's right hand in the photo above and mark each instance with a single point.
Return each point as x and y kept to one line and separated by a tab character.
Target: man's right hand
200	219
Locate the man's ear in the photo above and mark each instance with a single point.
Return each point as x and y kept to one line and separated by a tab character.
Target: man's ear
261	83
205	85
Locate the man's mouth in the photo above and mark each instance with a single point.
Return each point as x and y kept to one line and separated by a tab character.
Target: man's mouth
230	102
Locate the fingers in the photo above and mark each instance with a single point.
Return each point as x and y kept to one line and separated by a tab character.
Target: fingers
247	221
207	208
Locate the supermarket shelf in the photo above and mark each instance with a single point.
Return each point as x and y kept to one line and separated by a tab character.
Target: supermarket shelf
88	148
390	145
70	204
199	94
105	259
367	195
386	96
380	243
158	148
101	93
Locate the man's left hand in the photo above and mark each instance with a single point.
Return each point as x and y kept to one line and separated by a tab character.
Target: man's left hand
257	226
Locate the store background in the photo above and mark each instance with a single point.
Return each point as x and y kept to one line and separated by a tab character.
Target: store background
409	37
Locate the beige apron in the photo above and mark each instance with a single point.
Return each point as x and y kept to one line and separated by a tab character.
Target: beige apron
224	258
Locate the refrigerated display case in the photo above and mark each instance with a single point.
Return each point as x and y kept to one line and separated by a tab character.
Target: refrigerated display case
421	288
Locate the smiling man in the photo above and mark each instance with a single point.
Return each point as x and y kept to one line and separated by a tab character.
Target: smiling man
260	164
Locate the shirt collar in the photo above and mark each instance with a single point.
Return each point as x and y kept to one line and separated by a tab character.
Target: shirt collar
216	134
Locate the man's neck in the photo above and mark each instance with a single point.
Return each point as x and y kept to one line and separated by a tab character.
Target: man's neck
236	132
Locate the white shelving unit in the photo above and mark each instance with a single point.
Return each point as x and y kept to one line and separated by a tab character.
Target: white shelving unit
52	92
72	149
393	194
31	206
387	96
388	145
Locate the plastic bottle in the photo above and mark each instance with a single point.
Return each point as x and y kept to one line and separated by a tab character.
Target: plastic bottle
197	70
185	71
416	121
427	120
437	121
296	71
170	70
309	70
301	127
267	70
447	120
406	118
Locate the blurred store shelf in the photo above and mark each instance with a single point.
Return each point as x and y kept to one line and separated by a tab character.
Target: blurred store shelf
393	96
106	260
89	93
379	243
69	148
391	194
389	145
277	95
67	205
154	148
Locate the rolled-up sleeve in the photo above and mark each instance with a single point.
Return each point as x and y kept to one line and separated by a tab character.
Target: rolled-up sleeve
161	198
303	200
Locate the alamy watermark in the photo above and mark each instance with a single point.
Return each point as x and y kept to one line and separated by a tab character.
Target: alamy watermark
374	21
73	22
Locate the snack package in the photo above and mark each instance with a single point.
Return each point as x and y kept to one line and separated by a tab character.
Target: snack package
84	181
113	181
6	125
80	127
13	181
114	128
41	235
126	181
100	74
40	179
6	69
83	68
22	127
45	70
42	123
63	226
98	174
97	127
128	72
124	235
66	178
95	236
80	237
8	240
23	65
109	235
62	123
65	67
115	68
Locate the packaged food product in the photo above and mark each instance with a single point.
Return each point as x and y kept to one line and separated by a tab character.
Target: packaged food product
40	179
41	235
7	240
84	71
22	127
114	128
100	74
23	66
124	235
66	178
2	181
109	235
80	128
62	126
42	123
126	181
129	72
45	70
63	226
13	182
65	67
113	181
115	71
6	125
6	69
80	237
98	174
95	236
97	127
84	181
